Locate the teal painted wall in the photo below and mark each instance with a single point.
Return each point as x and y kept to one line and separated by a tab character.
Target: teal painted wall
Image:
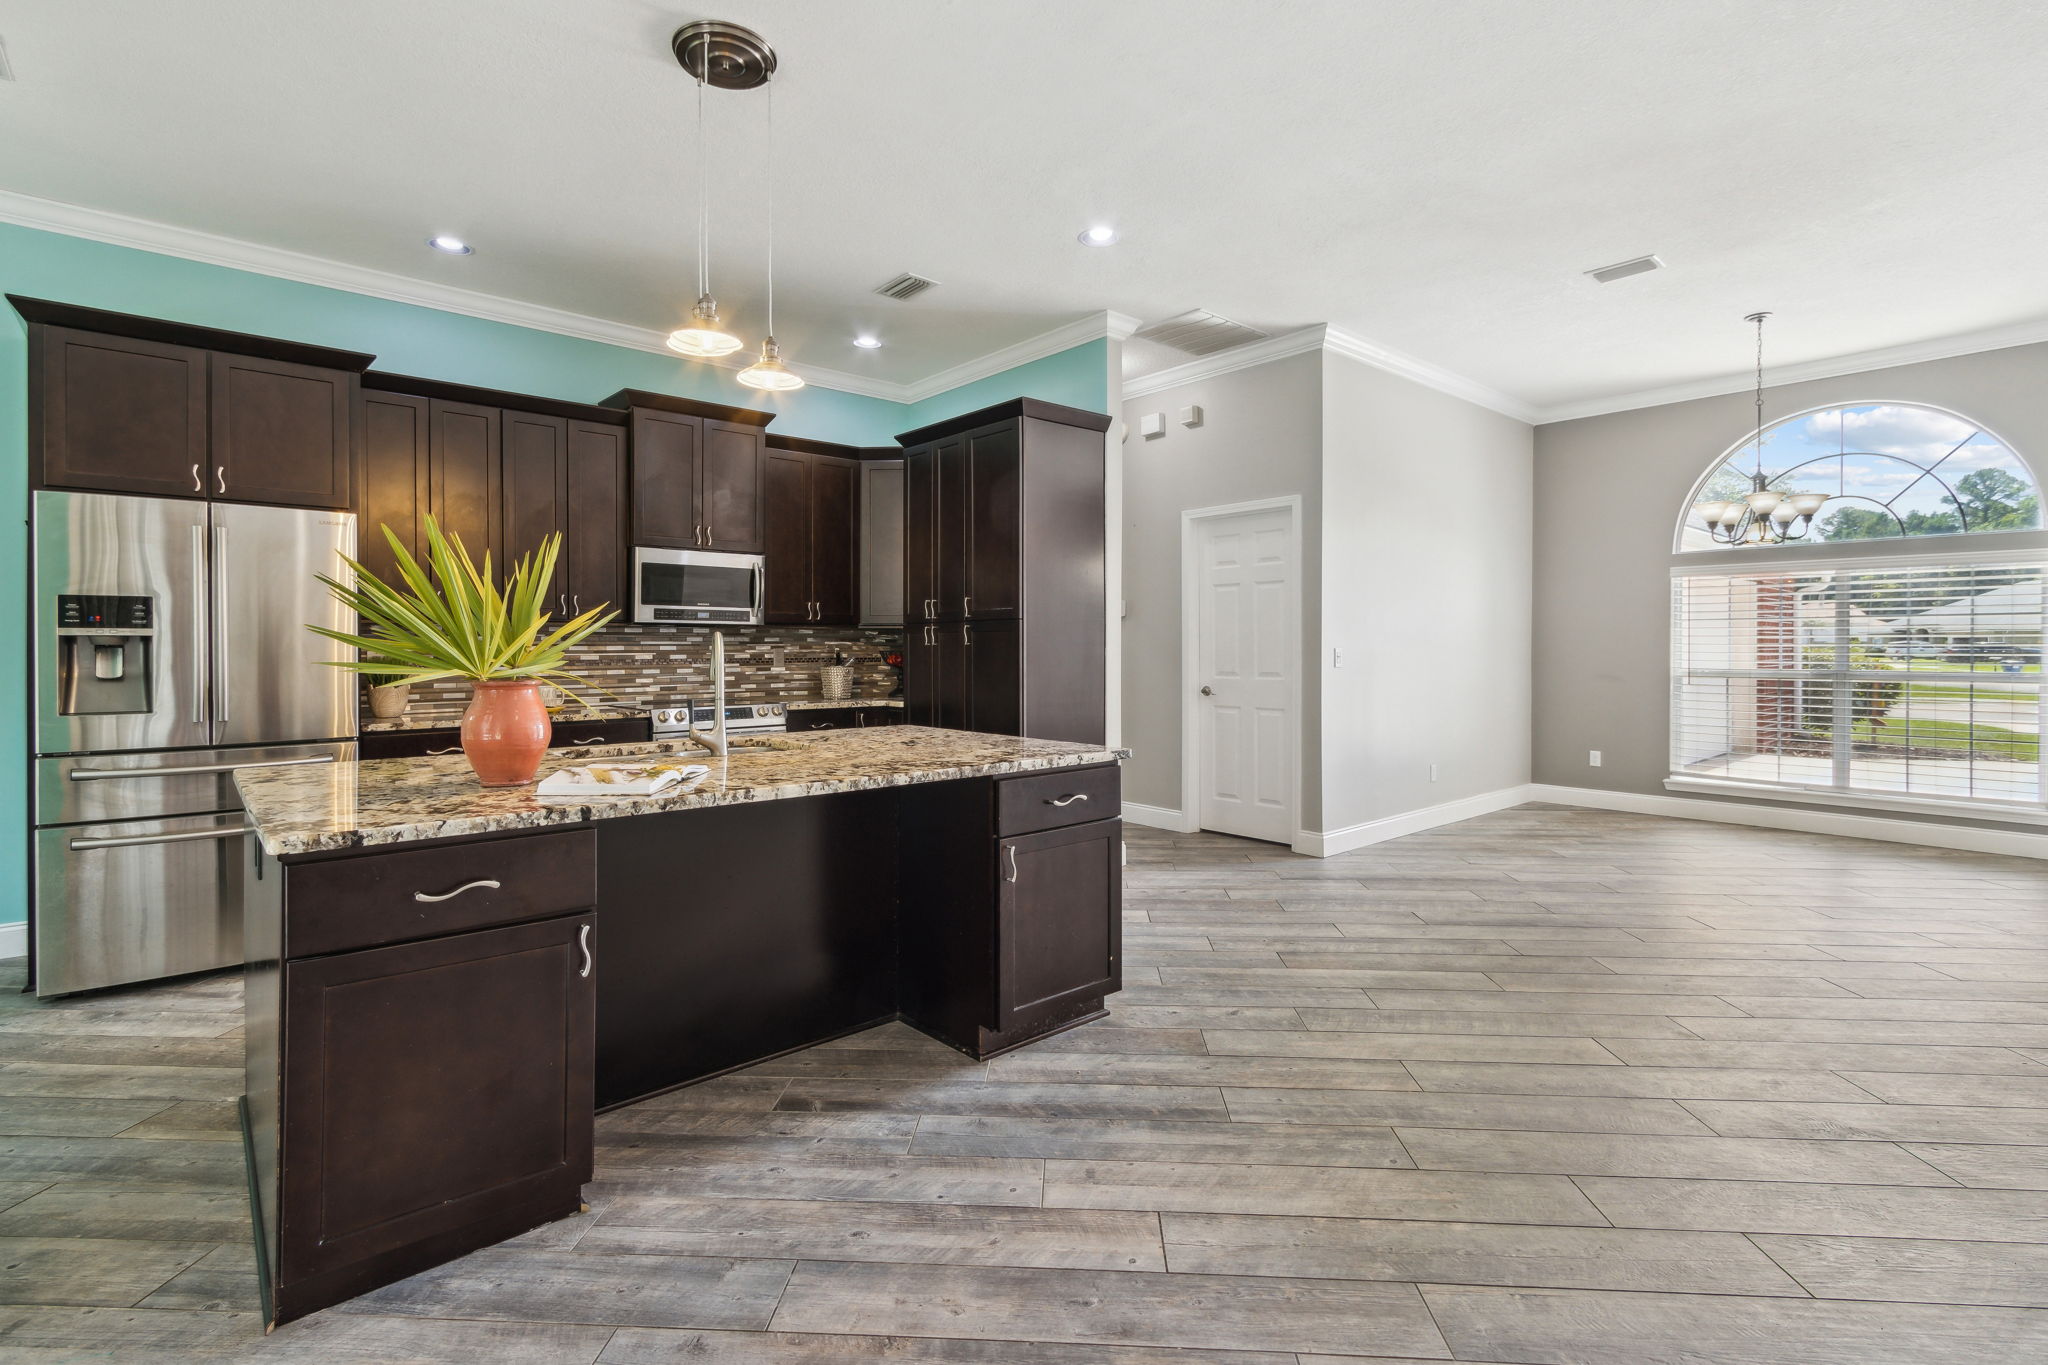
405	338
1077	377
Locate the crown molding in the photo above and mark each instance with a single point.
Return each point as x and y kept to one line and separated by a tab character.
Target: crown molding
1092	327
1829	367
1228	362
166	239
1121	325
1368	352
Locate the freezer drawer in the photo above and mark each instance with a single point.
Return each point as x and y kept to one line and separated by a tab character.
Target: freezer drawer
90	787
137	900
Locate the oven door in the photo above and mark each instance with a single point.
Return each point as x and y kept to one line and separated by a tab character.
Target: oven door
696	587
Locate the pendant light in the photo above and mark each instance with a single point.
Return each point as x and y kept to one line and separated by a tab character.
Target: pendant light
1764	515
706	337
769	373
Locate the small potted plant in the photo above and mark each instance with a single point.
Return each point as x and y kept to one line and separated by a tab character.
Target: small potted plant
390	694
469	627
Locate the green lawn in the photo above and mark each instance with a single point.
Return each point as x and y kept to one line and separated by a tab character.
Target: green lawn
1983	741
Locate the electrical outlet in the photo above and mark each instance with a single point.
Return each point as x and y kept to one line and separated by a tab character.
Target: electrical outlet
1592	758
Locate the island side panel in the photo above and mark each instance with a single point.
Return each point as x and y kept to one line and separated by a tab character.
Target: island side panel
262	987
739	932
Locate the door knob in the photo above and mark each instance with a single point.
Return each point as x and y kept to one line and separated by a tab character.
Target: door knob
1207	693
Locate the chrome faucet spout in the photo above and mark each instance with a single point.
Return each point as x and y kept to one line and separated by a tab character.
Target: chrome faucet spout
714	739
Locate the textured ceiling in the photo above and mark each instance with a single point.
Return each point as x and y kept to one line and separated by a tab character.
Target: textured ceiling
1431	176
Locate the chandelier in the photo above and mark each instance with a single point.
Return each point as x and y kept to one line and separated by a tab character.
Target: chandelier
1764	515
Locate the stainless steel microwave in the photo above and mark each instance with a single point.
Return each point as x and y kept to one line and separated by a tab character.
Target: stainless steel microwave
697	587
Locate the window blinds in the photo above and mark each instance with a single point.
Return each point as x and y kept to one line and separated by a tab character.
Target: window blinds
1921	680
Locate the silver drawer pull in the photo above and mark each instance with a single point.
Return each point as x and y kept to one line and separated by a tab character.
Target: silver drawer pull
141	840
583	942
424	898
1011	851
1067	800
597	740
436	753
90	774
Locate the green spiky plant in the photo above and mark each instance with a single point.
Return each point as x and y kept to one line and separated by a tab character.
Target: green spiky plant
468	627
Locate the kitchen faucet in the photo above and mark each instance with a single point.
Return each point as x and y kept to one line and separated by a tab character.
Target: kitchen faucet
714	738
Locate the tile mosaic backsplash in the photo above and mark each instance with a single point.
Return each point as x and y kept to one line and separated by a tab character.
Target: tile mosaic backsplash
641	665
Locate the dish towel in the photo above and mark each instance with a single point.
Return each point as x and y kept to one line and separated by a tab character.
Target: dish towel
620	779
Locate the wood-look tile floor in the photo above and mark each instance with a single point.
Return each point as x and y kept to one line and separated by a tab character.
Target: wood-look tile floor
1548	1086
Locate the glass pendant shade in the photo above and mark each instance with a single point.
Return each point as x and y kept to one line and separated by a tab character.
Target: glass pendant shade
769	372
707	337
1711	512
1806	504
1763	500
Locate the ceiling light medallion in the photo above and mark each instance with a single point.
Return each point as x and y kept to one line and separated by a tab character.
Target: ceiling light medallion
1764	515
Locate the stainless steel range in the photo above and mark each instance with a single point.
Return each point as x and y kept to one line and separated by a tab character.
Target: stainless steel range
672	720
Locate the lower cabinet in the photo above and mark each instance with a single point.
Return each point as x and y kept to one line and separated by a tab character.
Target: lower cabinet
568	734
429	1086
1058	911
844	717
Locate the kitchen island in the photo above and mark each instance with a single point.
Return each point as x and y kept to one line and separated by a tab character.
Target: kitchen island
445	981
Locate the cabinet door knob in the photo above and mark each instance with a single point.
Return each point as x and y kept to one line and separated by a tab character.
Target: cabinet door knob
583	942
1066	800
424	898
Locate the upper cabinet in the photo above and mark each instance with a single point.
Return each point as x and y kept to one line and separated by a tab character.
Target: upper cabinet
810	499
882	558
391	470
126	404
281	432
595	552
697	470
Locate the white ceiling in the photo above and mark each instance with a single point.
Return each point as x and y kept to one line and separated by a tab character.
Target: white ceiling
1431	177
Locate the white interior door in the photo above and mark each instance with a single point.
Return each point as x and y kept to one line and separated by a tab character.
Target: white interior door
1247	658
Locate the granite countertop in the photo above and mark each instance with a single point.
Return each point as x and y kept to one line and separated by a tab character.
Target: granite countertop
325	807
814	704
451	720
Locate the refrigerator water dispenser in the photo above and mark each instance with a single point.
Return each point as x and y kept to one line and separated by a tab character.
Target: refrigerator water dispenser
104	655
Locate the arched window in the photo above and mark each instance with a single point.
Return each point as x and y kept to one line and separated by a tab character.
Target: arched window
1888	470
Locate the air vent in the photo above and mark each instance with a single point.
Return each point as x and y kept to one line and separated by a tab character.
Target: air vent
1199	332
904	286
1621	270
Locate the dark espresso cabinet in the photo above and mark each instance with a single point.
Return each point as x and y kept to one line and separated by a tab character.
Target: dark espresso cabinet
696	481
463	473
281	432
533	486
1004	572
123	404
594	552
391	469
811	502
844	717
1058	898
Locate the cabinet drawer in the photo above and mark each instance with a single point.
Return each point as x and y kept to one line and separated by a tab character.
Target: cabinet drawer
375	744
380	898
1070	796
588	734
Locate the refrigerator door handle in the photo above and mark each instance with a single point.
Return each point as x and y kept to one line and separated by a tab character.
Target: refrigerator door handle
138	840
198	622
220	625
93	774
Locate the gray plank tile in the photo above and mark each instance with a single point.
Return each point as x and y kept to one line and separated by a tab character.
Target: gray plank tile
956	1234
1828	1056
565	1287
1471	1253
1902	1086
1920	1271
56	1333
1858	1007
138	1213
1986	1165
95	1081
1179	1017
1592	1327
335	1338
1638	1154
1497	1022
1273	1144
1353	1193
26	1115
1553	1002
1884	1122
1912	1032
82	1271
1540	1113
1302	978
221	1281
766	1134
1621	982
1642	1082
1844	1210
1015	1099
657	1346
825	1175
1039	1065
1208	1311
130	1163
1267	1044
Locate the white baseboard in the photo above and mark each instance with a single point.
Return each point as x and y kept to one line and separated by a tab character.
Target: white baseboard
1158	817
13	940
1966	837
1325	843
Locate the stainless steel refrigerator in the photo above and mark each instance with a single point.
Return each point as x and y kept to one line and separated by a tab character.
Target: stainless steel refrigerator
170	649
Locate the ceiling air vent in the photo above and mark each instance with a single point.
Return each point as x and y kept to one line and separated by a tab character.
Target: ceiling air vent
1621	270
904	286
1199	332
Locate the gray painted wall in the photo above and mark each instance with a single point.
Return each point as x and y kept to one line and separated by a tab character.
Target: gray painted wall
1426	569
1609	490
1261	437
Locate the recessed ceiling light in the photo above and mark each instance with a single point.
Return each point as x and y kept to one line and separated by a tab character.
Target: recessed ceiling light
1099	235
454	246
868	343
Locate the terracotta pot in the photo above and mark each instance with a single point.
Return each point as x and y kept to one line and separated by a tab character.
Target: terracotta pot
389	701
505	732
